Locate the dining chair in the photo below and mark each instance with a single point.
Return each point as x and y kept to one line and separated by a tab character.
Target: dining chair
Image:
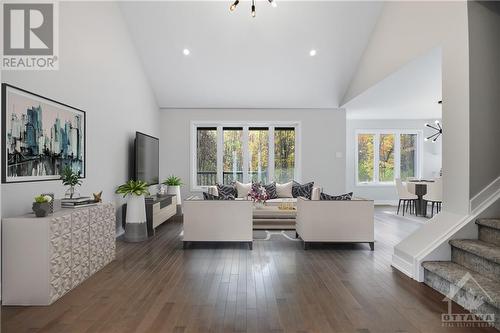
434	195
409	199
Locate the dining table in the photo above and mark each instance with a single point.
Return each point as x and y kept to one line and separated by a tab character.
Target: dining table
419	188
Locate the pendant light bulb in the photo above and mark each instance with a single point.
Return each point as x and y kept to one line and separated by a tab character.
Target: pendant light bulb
233	6
253	11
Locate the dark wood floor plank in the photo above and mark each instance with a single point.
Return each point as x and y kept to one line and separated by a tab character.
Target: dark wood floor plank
156	286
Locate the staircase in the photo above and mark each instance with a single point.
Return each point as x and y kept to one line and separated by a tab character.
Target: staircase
472	277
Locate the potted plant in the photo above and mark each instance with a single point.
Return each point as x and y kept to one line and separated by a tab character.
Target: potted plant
71	179
41	206
135	222
174	186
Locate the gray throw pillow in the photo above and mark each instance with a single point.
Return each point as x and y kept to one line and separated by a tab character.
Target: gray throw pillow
302	190
347	196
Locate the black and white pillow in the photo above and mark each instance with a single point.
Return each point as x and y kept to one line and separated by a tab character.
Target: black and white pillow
324	196
227	190
271	190
208	196
304	190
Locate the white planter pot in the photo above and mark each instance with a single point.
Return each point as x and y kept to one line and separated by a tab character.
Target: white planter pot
136	209
135	228
176	190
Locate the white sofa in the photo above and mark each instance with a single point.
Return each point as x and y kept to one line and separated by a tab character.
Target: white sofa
337	221
217	221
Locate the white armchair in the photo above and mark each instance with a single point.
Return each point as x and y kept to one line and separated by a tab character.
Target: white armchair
218	221
337	221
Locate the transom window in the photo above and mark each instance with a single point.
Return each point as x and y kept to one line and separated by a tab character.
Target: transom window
382	156
250	152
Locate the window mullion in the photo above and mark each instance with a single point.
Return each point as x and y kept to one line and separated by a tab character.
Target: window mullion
376	157
397	155
220	154
270	161
246	155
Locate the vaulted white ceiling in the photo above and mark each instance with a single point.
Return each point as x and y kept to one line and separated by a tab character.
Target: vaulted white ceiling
412	92
237	61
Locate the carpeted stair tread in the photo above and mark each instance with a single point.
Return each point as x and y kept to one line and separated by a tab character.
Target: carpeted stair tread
453	273
481	249
490	223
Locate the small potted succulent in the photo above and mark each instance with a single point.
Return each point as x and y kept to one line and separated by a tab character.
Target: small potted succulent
72	179
41	206
135	222
174	187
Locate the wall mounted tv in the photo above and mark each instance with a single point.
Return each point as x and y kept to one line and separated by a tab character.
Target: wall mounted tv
147	163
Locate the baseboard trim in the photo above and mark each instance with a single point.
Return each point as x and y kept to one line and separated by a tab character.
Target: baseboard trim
402	265
486	193
385	203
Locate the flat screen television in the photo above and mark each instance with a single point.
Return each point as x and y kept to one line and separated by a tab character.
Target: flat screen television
147	161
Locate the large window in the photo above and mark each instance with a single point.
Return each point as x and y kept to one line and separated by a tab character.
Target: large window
258	150
206	161
252	152
233	155
382	156
284	154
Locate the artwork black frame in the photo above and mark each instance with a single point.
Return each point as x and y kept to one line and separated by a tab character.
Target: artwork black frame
5	180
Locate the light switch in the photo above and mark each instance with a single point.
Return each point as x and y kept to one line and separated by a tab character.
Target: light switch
339	154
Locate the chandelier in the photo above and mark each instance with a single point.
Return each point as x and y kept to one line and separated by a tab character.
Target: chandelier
236	2
438	130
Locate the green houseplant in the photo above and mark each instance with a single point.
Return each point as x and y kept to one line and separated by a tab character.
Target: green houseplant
72	179
135	226
174	184
41	205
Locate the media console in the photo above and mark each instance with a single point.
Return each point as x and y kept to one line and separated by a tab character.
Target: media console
158	210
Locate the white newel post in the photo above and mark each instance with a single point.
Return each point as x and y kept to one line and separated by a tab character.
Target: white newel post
135	228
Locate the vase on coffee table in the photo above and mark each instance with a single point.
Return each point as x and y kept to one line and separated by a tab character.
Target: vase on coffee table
259	204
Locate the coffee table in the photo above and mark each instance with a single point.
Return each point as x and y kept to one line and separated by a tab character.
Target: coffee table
271	217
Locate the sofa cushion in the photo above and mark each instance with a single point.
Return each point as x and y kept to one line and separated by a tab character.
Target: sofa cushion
242	189
302	190
271	190
284	190
347	196
227	190
208	196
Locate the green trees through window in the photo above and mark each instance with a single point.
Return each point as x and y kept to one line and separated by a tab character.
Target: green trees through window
384	156
269	153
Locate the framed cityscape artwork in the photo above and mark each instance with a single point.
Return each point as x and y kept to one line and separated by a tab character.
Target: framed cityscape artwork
40	137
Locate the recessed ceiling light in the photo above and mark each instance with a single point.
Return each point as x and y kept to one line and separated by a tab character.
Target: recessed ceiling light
186	52
312	53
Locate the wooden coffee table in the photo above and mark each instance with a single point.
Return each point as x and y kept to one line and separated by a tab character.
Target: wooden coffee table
272	217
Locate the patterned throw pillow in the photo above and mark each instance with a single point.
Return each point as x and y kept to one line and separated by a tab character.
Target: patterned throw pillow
347	196
304	190
208	196
271	190
227	190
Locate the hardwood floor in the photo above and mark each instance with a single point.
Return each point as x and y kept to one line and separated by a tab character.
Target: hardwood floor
157	286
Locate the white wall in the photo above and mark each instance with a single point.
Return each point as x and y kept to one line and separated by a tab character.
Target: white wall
484	54
322	135
405	31
431	159
100	73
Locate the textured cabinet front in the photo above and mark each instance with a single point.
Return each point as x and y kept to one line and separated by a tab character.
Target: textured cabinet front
80	242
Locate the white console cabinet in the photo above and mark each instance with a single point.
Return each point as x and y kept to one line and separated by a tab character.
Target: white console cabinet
44	258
